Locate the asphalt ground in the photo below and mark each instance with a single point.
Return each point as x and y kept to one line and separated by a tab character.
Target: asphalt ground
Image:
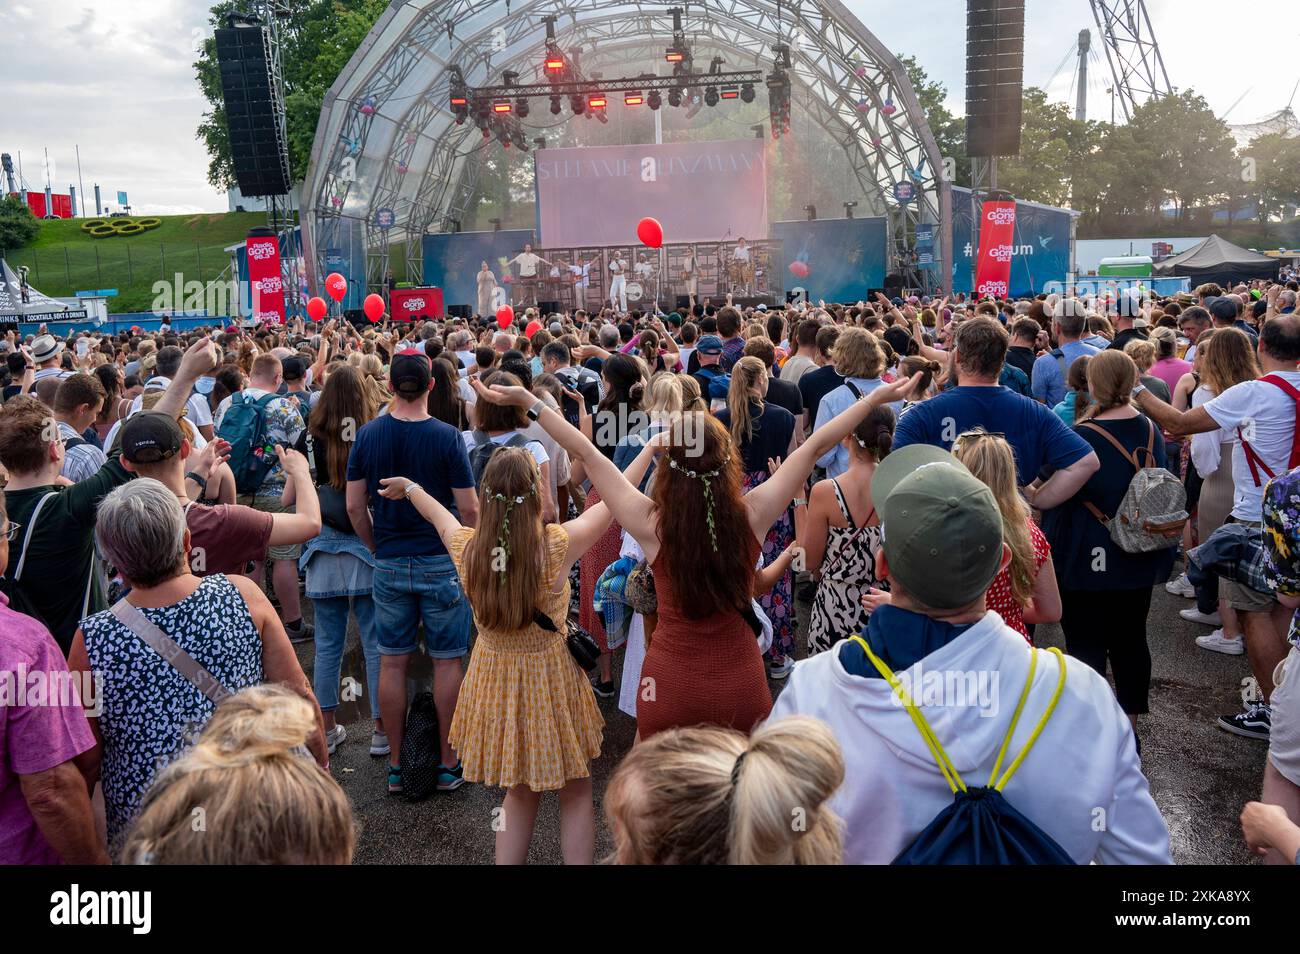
1200	775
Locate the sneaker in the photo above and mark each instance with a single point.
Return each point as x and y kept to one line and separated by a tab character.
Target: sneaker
1253	723
300	631
1196	616
604	690
450	779
1250	691
394	780
379	743
780	668
1181	586
334	738
1216	642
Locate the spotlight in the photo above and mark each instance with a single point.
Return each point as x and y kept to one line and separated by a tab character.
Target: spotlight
554	64
711	96
521	106
501	106
747	93
654	100
811	211
675	56
730	92
848	209
674	97
578	103
556	105
596	101
633	99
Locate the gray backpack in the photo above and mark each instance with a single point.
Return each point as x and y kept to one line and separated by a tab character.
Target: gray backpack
1154	509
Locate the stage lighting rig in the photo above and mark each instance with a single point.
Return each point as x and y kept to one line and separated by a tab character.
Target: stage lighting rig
848	209
679	54
633	98
811	211
459	96
778	92
579	104
674	98
557	105
654	100
555	64
747	93
729	92
521	107
711	96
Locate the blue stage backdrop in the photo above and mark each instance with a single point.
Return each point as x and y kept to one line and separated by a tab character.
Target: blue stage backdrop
845	257
451	260
1042	245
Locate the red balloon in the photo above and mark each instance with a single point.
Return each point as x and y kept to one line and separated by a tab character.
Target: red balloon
650	232
800	269
336	286
317	309
373	306
534	326
505	316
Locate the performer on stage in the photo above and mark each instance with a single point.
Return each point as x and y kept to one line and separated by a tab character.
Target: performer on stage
528	261
487	286
691	275
741	257
618	285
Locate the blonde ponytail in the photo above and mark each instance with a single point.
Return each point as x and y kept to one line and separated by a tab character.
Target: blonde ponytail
747	384
708	795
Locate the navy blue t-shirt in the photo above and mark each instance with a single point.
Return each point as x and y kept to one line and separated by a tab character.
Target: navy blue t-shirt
773	427
1038	438
429	452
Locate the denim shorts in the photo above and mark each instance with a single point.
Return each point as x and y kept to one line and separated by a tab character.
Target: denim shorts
409	591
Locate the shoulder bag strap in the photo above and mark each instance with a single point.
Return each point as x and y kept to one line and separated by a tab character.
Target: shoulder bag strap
949	770
1130	456
1000	783
185	664
27	537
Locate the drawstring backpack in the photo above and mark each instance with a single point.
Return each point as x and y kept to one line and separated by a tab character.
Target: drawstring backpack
980	827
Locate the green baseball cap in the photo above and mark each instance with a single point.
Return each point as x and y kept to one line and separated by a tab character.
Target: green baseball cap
942	526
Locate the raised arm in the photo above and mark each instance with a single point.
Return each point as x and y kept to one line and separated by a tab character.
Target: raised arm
766	501
1178	423
633	509
403	488
199	359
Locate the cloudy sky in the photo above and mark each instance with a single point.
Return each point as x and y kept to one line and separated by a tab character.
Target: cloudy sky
115	77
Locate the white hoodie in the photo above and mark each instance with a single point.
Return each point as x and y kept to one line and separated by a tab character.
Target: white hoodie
1081	783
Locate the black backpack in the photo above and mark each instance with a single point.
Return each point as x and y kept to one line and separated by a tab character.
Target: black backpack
484	448
421	749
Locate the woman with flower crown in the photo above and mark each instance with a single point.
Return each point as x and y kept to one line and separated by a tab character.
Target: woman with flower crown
526	718
701	536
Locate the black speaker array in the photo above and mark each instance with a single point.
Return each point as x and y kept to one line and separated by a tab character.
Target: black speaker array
995	61
257	148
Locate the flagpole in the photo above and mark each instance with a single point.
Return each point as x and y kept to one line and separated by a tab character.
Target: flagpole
81	185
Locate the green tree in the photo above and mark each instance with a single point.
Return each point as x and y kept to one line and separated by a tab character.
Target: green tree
318	37
1190	151
1054	147
1270	173
17	224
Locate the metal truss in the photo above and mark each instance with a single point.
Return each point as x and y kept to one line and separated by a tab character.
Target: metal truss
1136	65
387	139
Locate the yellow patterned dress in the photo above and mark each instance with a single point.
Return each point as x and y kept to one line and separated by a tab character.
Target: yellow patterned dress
526	713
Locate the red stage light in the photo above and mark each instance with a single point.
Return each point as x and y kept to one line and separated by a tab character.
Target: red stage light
459	101
674	57
554	64
633	99
596	102
501	106
730	92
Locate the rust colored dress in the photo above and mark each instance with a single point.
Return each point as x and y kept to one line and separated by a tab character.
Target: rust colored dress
704	671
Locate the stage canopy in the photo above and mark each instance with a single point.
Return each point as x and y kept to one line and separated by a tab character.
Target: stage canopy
1218	260
390	161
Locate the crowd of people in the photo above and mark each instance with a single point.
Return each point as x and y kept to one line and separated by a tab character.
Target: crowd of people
922	481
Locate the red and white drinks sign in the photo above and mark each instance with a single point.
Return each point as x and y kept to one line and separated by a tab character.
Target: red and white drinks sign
264	278
997	241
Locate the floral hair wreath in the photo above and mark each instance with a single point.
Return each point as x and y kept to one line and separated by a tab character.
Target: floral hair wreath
707	477
503	536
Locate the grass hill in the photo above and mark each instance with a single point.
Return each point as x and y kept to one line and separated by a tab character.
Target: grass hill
63	259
